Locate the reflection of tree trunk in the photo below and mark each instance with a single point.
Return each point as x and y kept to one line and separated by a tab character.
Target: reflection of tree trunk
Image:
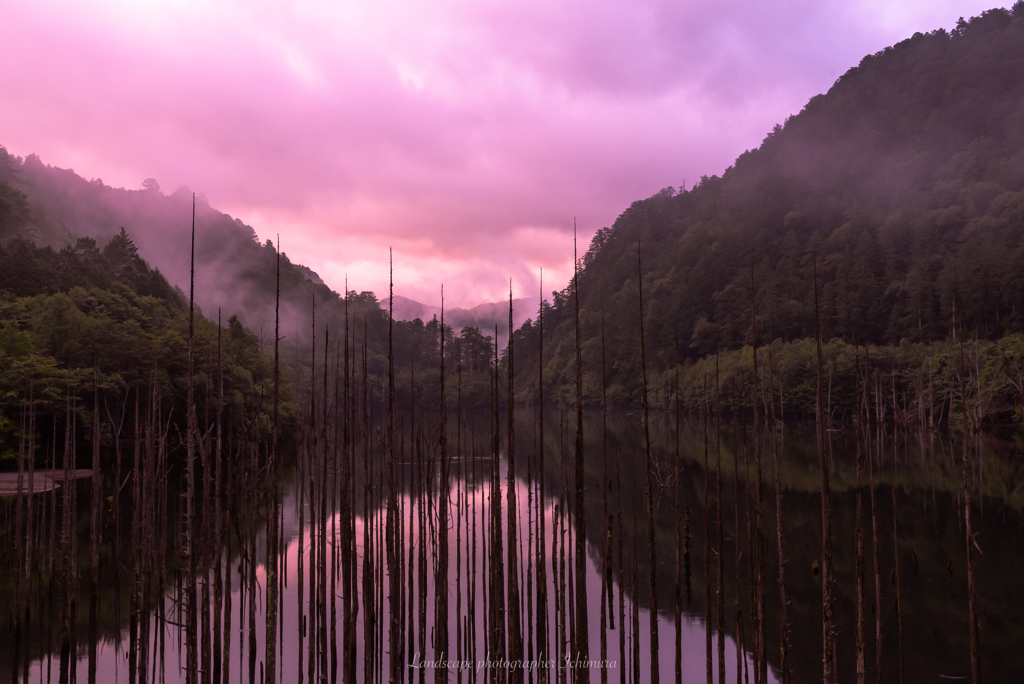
895	534
226	532
622	572
136	576
570	598
680	552
720	595
21	577
874	516
93	608
751	574
67	528
828	622
971	543
250	566
859	532
94	524
635	635
707	547
30	539
740	646
777	457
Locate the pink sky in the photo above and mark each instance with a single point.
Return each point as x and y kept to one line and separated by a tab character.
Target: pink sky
464	133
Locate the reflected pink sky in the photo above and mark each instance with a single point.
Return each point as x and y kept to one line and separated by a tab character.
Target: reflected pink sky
465	134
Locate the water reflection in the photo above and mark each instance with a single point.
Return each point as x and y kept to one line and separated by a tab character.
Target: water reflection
932	564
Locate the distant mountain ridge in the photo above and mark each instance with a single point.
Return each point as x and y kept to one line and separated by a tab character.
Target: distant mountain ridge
484	316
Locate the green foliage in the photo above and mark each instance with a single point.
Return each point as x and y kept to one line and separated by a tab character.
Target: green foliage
921	379
27	270
14	211
52	339
903	186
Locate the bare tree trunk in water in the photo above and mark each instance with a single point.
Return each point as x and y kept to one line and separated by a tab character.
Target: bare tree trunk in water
67	529
582	644
896	537
874	521
622	569
777	457
347	517
515	628
496	561
761	651
680	553
652	555
707	546
218	513
460	478
721	532
95	525
606	556
441	579
969	535
272	488
542	582
22	574
191	617
859	532
369	618
395	640
828	622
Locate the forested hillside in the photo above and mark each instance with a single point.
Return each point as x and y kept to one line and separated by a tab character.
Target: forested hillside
235	273
904	184
87	323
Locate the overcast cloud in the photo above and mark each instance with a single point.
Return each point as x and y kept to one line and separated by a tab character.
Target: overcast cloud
465	134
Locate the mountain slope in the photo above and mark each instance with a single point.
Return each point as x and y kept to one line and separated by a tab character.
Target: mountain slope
905	181
235	276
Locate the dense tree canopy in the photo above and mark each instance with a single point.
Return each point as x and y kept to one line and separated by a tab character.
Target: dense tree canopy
66	315
903	186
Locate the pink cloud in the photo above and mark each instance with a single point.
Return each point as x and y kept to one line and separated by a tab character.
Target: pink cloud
465	134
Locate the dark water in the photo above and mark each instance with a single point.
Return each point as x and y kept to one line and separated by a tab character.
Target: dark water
932	558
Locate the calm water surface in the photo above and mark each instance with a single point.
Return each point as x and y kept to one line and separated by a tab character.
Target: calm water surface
927	522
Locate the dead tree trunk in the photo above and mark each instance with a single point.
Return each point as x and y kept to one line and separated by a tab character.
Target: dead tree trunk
515	628
827	623
651	552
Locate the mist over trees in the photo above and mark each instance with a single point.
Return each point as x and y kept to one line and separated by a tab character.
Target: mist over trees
905	180
86	314
70	215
